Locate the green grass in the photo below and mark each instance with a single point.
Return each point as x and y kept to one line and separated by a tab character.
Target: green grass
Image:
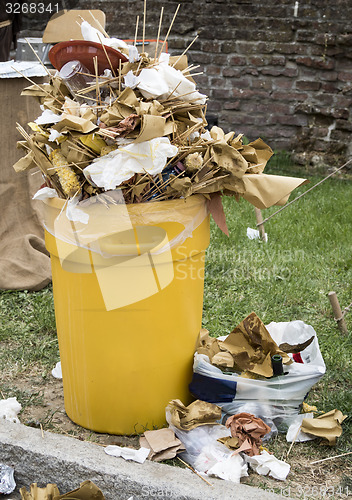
308	255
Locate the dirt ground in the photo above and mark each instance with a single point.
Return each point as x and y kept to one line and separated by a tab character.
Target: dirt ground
44	408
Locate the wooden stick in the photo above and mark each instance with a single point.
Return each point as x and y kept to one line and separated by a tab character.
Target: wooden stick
341	323
41	428
119	76
136	31
107	57
331	458
97	92
36	55
144	19
184	52
36	84
168	33
99	25
294	440
260	225
187	465
308	191
157	40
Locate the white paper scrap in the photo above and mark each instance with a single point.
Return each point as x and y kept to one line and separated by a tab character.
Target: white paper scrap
139	456
45	193
265	464
9	409
253	234
56	371
295	434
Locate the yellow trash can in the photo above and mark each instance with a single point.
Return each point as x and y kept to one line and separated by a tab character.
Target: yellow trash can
128	294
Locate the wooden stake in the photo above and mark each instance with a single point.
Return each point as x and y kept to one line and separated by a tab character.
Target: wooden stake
157	40
260	225
341	323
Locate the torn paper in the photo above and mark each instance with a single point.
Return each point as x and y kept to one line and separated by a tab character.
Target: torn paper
265	464
139	456
327	426
9	409
191	416
163	444
249	430
57	371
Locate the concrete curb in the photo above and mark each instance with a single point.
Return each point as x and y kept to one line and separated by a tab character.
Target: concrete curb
68	462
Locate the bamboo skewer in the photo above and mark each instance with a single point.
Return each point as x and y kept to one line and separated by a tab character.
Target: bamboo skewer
144	19
169	30
186	50
136	31
99	25
331	458
195	472
157	40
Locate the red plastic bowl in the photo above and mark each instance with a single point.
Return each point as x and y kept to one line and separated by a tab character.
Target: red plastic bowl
84	51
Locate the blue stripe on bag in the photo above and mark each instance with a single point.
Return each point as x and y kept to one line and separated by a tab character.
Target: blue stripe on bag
212	390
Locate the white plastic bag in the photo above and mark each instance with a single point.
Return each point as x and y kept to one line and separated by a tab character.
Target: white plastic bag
276	398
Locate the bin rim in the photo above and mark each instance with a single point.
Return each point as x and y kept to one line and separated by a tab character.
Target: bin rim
192	200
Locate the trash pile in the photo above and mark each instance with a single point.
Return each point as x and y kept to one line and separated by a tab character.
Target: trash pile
263	370
115	119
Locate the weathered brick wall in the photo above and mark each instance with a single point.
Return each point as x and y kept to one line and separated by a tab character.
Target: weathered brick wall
267	72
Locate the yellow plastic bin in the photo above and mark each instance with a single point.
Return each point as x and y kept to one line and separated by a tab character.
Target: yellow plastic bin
128	305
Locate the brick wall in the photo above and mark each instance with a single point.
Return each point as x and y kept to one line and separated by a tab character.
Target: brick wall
267	72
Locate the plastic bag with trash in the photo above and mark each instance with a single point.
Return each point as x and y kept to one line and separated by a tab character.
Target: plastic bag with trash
277	398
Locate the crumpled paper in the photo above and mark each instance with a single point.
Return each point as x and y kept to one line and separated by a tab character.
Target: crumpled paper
139	456
326	426
9	409
111	170
231	469
163	444
265	464
248	348
249	430
191	416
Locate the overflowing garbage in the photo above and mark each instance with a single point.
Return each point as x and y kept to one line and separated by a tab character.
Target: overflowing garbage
116	119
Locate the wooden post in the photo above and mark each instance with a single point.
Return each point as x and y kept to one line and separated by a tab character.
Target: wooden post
260	225
337	312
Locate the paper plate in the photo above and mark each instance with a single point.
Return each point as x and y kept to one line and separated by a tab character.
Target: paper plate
85	51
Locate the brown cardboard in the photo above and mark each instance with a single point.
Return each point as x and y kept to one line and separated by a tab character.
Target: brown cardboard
63	26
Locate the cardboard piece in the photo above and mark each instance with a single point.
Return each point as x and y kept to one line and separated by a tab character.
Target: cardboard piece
163	444
63	26
217	211
264	190
249	430
49	492
327	426
86	491
196	414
